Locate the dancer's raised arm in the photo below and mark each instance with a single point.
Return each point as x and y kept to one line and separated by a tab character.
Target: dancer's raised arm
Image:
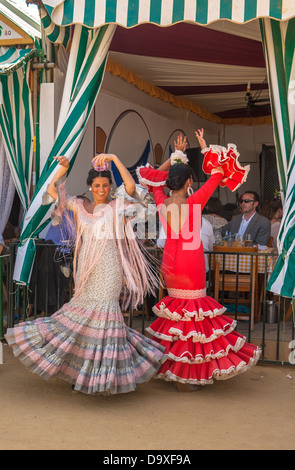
64	166
200	136
179	144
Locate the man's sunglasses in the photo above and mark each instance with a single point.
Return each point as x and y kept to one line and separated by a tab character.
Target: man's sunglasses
246	201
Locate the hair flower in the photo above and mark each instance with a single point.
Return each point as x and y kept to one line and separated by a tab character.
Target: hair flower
103	167
178	157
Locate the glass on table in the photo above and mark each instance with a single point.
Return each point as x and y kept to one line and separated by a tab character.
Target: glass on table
218	237
238	240
248	240
227	238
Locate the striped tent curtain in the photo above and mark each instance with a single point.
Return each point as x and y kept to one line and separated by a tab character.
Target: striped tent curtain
7	190
16	124
55	33
279	48
12	58
85	71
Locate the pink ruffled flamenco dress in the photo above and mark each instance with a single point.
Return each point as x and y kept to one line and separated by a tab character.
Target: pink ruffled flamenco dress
201	342
86	342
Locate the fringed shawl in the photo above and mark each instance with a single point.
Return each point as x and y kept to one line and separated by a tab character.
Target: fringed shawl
139	267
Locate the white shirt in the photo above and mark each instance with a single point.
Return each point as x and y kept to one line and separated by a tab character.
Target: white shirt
162	236
244	224
207	237
243	228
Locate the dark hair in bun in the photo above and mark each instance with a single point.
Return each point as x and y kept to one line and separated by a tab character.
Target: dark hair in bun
178	175
96	174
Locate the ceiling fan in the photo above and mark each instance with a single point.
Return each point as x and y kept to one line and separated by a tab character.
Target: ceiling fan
253	101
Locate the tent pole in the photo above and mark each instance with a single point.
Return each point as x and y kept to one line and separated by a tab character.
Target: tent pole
35	168
44	65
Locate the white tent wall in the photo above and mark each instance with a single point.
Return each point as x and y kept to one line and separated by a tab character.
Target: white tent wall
46	120
249	141
130	135
150	118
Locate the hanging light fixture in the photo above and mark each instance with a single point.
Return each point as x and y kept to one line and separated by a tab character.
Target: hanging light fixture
253	99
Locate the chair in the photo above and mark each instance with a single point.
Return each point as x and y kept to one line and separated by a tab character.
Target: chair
162	292
236	282
162	287
129	314
289	311
3	287
270	242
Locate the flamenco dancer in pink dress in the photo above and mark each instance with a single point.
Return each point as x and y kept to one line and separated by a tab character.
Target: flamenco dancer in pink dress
86	342
200	340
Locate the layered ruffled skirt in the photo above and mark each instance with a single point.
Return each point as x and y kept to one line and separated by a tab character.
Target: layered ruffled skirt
89	347
200	342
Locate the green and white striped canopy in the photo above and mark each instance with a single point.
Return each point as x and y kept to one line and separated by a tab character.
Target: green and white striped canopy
12	58
16	119
129	13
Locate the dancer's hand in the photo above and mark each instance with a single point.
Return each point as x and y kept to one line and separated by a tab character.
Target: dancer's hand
200	136
62	169
181	143
63	161
102	158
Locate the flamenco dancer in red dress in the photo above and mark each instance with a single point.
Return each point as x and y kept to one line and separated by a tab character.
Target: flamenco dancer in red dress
200	340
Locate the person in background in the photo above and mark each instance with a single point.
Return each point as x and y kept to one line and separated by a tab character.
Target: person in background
207	237
249	221
272	209
212	213
65	233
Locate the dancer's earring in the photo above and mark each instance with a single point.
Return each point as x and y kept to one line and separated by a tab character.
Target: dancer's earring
171	193
90	189
190	191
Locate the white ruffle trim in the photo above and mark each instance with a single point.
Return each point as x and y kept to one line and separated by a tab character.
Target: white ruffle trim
200	358
197	337
222	151
201	338
145	182
247	169
217	374
164	312
222	157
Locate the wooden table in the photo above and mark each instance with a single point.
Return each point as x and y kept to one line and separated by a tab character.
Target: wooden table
231	260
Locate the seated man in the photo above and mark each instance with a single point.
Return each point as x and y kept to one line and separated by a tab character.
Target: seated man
249	221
